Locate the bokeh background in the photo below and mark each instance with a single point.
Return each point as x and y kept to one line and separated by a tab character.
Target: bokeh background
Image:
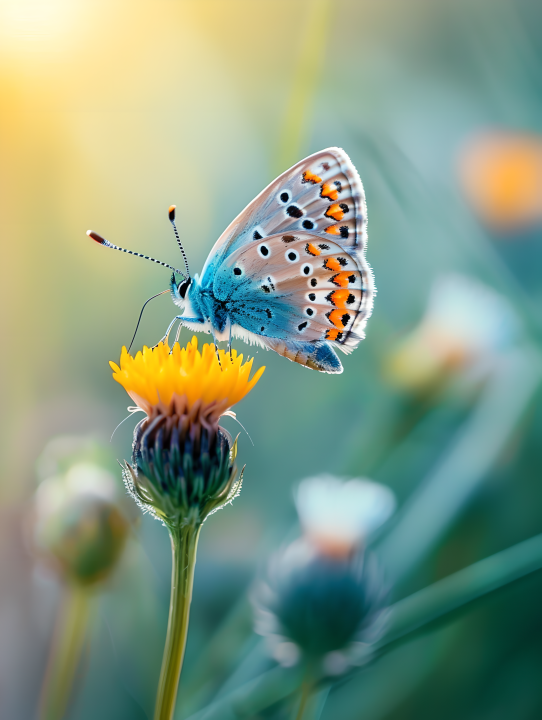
110	112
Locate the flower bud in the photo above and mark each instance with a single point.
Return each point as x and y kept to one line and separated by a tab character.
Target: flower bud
182	469
78	527
323	601
326	611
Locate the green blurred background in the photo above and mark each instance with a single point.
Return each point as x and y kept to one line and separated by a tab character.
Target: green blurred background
110	112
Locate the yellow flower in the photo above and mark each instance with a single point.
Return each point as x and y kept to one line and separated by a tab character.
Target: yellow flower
185	379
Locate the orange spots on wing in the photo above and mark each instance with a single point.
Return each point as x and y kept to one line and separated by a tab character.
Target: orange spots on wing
339	318
333	230
309	176
332	333
339	298
329	191
332	264
343	279
335	211
312	249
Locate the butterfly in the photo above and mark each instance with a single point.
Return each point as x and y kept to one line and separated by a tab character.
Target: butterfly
289	273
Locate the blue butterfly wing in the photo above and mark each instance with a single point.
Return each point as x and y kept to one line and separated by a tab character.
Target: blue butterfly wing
316	213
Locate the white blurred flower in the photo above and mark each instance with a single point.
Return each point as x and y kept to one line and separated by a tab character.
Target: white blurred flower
465	327
337	515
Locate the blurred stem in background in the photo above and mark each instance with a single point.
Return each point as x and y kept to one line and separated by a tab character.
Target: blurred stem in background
78	527
308	64
67	645
184	542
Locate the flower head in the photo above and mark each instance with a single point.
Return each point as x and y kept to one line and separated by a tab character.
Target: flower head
181	379
465	327
338	515
501	173
183	463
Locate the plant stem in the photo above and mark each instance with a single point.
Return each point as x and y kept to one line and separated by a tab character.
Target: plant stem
305	694
66	646
184	542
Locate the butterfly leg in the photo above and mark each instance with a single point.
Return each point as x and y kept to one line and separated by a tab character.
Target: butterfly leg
165	339
178	333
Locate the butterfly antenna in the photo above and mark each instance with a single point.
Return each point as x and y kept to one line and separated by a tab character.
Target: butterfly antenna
171	215
102	241
141	315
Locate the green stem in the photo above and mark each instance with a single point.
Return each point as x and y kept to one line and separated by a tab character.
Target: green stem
68	640
184	543
305	694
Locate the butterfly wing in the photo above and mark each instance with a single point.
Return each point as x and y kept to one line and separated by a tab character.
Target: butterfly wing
318	204
297	294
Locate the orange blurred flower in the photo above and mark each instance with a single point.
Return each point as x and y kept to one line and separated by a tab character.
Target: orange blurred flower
501	174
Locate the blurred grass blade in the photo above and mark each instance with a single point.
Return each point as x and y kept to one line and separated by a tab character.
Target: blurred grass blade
267	689
474	451
463	587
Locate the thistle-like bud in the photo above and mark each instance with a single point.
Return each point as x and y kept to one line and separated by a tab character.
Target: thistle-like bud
324	600
182	469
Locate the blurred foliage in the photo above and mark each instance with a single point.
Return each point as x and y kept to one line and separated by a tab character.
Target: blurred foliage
112	111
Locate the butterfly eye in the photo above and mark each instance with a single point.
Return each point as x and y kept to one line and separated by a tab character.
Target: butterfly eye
263	250
306	269
284	197
292	256
182	287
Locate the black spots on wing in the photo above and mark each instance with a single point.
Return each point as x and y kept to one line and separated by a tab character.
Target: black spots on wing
288	239
312	297
310	312
308	224
344	207
339	336
344	231
256	235
338	185
351	278
266	289
292	256
264	250
323	246
269	313
270	283
237	271
262	329
294	211
302	326
284	197
314	282
345	318
350	299
306	269
342	261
